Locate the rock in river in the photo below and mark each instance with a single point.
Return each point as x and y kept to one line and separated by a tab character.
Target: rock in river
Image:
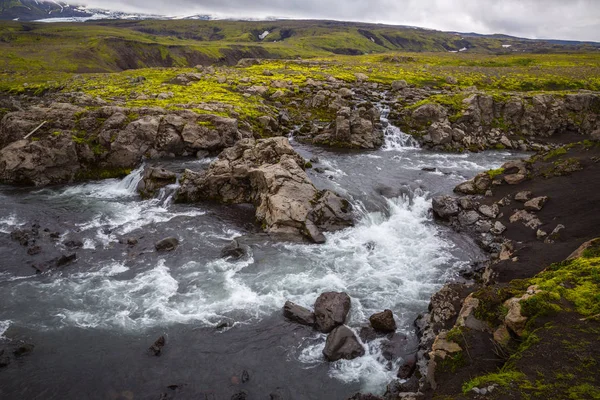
383	321
331	309
342	343
298	314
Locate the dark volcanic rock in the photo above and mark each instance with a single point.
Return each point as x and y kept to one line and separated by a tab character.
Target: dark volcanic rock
66	259
298	314
383	321
331	309
73	244
168	244
156	348
235	250
342	343
445	206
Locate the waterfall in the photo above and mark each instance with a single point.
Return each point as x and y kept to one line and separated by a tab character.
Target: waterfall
395	139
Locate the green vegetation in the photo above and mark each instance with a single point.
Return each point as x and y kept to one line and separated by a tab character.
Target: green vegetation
555	153
569	290
493	173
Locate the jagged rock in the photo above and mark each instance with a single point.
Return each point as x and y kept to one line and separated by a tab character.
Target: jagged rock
73	244
168	244
498	228
235	250
66	259
331	309
298	314
466	316
536	204
156	348
445	206
342	344
489	211
383	321
514	179
155	179
359	128
440	133
524	196
269	174
428	114
555	234
528	219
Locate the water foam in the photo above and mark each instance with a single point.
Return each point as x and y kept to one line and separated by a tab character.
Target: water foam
4	325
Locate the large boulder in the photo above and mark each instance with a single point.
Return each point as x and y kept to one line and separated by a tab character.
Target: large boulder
359	128
269	174
331	309
383	321
342	343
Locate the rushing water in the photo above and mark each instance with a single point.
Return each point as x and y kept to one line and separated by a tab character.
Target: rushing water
92	321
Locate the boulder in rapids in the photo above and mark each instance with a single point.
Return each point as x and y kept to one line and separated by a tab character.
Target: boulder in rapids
342	344
168	244
331	309
235	250
383	321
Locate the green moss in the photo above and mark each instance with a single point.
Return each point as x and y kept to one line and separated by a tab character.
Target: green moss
584	391
555	153
503	379
493	173
452	362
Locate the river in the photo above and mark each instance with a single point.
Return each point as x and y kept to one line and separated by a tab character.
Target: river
92	321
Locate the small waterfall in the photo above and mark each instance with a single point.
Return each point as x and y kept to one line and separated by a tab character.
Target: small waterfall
130	182
395	139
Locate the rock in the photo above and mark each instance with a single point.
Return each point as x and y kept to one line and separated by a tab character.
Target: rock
73	244
269	174
451	80
467	187
33	250
498	228
536	204
501	335
581	249
235	251
528	219
466	316
595	135
156	348
153	180
66	259
331	309
490	211
361	77
440	133
245	376
429	113
383	321
466	218
23	349
4	360
514	320
540	234
399	85
345	93
555	234
524	196
342	344
396	389
407	369
445	206
243	395
514	179
298	314
168	244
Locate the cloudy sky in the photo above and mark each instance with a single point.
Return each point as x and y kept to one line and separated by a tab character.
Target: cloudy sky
556	19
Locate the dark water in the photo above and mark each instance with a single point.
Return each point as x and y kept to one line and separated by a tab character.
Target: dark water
91	322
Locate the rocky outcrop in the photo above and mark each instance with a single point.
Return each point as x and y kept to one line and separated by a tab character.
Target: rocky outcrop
78	144
269	174
513	120
153	180
359	128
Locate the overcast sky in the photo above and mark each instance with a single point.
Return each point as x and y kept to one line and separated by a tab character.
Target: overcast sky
555	19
